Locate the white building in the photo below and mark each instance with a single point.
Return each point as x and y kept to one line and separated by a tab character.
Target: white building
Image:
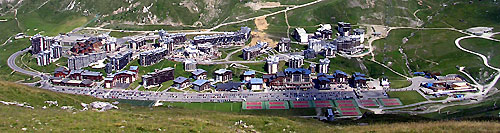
323	65
189	65
296	61
43	58
272	64
315	45
301	35
359	33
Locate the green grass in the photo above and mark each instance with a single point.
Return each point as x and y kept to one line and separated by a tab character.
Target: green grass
28	60
483	110
428	50
6	73
486	12
396	84
238	56
486	47
225	51
407	97
31	80
439	98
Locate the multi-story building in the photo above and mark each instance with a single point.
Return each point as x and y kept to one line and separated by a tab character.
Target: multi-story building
120	78
43	58
284	45
296	61
201	85
137	42
359	33
189	65
300	35
199	74
55	51
340	77
272	64
152	57
348	44
79	62
254	51
39	44
323	65
157	77
358	80
85	74
223	75
310	54
181	82
324	31
247	75
312	67
223	40
316	45
120	60
343	28
290	79
330	50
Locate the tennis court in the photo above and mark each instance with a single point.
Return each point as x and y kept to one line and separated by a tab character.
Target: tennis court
390	101
368	103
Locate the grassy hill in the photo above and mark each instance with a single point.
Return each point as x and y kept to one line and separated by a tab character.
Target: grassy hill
139	119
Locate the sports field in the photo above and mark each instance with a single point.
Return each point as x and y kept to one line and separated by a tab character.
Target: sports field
390	102
347	107
369	103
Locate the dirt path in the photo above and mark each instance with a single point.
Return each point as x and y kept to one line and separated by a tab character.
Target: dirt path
260	35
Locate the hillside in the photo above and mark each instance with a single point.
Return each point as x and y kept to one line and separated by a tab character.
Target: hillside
136	118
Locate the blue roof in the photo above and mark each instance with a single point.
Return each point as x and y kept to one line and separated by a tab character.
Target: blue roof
180	79
248	73
301	70
359	78
256	81
134	67
340	72
358	74
200	82
323	79
198	71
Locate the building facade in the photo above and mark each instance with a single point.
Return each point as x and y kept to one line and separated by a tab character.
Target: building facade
157	77
272	64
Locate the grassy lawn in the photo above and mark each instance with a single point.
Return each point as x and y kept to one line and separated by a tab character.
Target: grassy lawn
439	98
397	84
238	56
407	97
31	80
5	72
428	50
225	51
486	47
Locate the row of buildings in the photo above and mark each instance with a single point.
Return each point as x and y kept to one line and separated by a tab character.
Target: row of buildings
252	52
223	40
444	85
46	49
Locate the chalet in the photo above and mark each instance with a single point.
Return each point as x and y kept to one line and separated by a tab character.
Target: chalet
256	84
201	85
199	74
248	75
61	72
119	78
229	86
340	77
157	77
223	75
75	83
85	74
358	80
181	82
324	81
290	79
